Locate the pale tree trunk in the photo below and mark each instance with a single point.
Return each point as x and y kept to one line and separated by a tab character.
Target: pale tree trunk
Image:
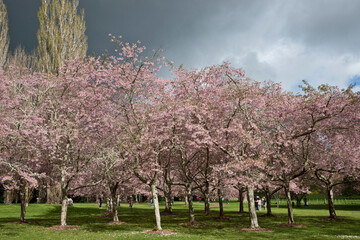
241	200
115	213
330	196
156	206
118	200
64	207
186	200
64	198
191	206
289	205
221	205
252	211
114	208
109	205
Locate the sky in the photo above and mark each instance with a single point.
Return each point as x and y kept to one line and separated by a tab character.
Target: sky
284	41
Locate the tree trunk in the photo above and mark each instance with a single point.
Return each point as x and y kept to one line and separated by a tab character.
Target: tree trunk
207	203
207	183
114	207
252	211
63	207
289	205
330	196
109	206
191	206
207	198
23	211
268	203
118	200
168	195
168	202
115	213
23	198
64	198
186	200
156	206
241	200
221	205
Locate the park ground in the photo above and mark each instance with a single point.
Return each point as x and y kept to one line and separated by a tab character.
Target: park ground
93	225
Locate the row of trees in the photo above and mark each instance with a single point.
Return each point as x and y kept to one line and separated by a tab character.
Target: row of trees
110	126
111	123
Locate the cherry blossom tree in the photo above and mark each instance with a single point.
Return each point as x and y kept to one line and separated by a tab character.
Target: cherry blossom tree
72	124
22	94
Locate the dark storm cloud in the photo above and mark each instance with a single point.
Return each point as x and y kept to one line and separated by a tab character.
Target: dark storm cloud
23	23
281	40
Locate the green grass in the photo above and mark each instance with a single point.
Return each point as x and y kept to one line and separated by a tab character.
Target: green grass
92	226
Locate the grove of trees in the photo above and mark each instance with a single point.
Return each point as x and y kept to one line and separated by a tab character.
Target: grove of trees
111	126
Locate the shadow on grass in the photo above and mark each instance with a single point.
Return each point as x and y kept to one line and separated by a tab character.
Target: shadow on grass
88	217
342	207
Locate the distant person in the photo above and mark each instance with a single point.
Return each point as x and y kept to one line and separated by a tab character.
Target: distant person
227	200
306	202
131	202
259	203
197	198
264	201
100	201
152	202
256	204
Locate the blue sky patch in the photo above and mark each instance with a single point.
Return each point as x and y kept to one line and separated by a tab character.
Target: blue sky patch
355	80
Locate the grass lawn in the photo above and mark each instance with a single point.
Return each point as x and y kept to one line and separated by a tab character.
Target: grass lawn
92	225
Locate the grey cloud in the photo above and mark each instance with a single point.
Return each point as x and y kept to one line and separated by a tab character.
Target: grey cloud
281	40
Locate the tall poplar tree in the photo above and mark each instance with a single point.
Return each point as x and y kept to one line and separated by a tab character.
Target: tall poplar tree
21	59
61	35
4	35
